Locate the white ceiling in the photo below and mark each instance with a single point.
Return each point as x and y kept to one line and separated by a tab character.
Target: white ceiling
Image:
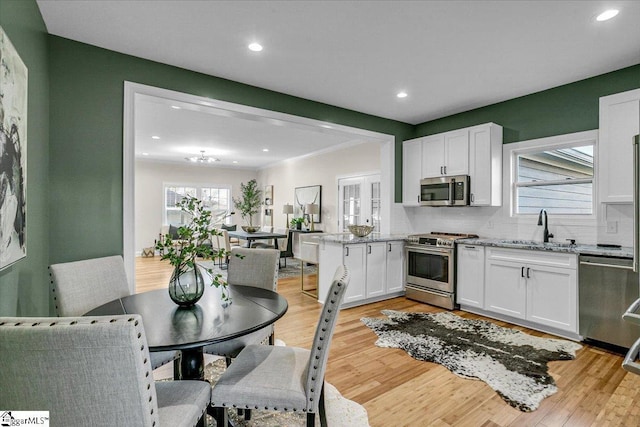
449	56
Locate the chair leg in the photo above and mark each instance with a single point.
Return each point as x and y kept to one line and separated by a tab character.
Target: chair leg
247	414
311	419
220	415
227	361
272	339
322	409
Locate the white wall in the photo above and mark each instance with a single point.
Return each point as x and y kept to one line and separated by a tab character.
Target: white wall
320	169
149	197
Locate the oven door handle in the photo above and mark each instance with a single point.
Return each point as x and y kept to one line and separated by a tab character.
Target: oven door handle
428	250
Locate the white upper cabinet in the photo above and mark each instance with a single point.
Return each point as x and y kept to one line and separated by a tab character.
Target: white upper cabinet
619	122
485	165
475	151
411	171
446	154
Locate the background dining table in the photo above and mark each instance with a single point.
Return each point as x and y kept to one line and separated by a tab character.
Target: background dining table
209	321
258	235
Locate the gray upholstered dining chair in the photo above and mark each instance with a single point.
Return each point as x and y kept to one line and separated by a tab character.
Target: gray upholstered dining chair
283	378
91	371
249	267
81	286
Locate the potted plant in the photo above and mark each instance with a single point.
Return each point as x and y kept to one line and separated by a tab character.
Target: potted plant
297	223
193	240
249	203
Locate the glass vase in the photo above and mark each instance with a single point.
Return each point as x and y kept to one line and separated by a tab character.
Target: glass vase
186	286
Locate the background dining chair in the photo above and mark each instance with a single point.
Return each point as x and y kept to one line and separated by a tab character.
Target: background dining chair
91	371
249	267
81	286
283	378
285	245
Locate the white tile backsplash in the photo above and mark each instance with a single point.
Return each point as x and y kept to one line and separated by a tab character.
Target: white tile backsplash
495	222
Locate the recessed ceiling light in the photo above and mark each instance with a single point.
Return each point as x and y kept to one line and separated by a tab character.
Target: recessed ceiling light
175	107
607	14
265	149
155	137
256	47
145	154
235	161
402	94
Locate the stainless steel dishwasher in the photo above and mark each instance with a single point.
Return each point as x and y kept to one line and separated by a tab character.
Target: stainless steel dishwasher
607	287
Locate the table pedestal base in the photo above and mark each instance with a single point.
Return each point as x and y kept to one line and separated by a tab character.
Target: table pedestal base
191	365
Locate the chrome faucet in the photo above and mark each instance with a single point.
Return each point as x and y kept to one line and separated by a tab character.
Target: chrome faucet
546	235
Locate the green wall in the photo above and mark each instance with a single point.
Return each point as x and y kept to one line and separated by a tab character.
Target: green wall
86	136
24	286
560	110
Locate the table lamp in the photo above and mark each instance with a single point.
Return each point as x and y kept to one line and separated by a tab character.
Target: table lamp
311	209
287	209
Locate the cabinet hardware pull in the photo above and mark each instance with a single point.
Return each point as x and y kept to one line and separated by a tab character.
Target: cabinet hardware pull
389	244
469	247
522	272
347	249
472	197
368	249
528	269
445	170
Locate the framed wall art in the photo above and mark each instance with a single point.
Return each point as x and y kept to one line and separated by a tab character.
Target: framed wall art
308	195
13	154
268	205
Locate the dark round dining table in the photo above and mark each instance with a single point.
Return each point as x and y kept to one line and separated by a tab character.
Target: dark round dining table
209	321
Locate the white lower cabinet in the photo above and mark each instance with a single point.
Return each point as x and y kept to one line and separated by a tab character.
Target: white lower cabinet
470	275
537	286
376	270
395	266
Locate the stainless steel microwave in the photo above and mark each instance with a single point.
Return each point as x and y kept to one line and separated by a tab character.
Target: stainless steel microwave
445	191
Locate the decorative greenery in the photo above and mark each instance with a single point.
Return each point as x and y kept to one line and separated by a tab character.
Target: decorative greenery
250	201
296	221
182	252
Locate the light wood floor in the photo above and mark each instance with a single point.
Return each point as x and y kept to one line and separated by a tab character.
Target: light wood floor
397	390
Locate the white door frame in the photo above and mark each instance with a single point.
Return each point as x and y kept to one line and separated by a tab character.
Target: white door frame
131	90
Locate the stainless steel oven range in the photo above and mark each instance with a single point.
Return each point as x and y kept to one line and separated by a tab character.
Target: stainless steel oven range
430	269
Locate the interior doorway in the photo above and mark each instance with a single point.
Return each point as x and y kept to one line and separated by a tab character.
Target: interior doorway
360	201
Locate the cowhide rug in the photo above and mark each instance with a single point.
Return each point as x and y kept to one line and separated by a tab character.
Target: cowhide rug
511	362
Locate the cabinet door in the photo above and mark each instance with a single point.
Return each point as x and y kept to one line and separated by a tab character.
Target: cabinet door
355	260
411	171
505	288
552	297
376	269
485	165
395	266
456	152
433	156
619	122
470	275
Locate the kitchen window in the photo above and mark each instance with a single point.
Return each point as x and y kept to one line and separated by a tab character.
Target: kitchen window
217	199
556	174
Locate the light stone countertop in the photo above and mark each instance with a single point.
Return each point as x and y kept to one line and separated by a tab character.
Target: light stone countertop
580	249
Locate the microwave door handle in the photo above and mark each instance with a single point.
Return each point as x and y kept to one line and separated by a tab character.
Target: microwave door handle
452	187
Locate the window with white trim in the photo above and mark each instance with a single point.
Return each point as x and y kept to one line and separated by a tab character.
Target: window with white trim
215	198
556	176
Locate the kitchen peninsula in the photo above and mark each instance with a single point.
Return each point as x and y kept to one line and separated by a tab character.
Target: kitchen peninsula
375	262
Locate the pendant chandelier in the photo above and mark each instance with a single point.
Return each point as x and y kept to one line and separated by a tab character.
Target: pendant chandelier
202	158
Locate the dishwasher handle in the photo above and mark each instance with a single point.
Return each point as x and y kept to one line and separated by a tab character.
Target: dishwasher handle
631	314
629	364
598	264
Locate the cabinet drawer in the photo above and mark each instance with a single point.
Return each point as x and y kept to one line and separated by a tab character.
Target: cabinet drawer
525	256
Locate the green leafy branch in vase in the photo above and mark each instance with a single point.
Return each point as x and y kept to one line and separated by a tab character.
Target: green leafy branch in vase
194	241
